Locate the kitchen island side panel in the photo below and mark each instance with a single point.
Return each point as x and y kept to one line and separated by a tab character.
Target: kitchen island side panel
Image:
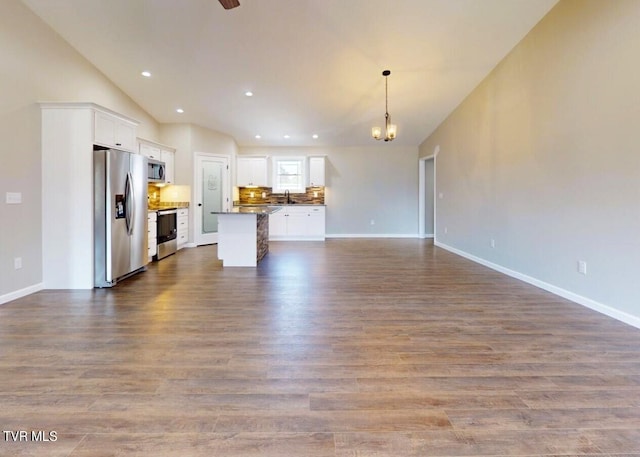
237	234
243	235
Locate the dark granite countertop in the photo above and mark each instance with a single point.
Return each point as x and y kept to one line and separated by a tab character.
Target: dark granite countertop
161	208
262	205
252	209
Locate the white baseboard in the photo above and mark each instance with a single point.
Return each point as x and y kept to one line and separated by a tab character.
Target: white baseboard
297	238
372	235
21	293
607	310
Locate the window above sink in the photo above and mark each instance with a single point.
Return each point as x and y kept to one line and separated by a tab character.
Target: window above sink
289	175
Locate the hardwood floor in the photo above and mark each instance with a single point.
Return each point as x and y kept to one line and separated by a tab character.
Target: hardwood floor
385	348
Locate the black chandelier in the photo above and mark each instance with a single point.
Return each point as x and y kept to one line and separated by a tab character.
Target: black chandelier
389	128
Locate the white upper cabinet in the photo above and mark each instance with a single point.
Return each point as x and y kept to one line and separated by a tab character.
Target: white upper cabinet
251	171
168	157
162	153
114	132
316	171
150	151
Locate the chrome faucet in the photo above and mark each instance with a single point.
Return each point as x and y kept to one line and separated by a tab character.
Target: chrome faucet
286	194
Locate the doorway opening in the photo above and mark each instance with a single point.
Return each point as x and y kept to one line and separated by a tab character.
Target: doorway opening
427	197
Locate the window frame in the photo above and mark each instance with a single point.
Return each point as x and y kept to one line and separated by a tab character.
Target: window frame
302	177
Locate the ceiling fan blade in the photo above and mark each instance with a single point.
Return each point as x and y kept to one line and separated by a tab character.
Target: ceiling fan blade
228	4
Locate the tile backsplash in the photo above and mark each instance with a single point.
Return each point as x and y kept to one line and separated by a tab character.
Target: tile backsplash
156	201
153	196
313	196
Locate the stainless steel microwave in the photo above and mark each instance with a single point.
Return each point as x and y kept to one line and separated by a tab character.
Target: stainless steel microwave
156	171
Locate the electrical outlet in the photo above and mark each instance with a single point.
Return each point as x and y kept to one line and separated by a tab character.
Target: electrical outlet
493	243
17	263
373	222
446	230
582	267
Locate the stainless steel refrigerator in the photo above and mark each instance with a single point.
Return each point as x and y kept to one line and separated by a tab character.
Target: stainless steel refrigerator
120	215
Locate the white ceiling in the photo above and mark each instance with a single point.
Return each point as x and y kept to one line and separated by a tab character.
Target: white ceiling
315	66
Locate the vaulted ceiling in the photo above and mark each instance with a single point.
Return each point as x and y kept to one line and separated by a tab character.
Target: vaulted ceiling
313	66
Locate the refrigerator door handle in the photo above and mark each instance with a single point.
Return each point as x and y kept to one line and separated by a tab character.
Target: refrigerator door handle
129	202
133	215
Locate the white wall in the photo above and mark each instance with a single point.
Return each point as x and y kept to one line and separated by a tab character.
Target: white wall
37	65
378	183
543	158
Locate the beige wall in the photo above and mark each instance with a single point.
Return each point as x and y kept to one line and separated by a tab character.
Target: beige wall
179	137
189	139
37	65
543	158
378	183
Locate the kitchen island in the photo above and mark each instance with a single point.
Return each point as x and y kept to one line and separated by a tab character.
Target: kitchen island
243	235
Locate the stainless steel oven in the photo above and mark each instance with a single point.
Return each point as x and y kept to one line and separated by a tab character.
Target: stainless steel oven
167	232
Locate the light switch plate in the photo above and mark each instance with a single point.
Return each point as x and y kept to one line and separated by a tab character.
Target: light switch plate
582	267
14	198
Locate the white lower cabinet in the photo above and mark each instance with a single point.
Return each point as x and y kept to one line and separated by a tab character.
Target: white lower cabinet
152	230
316	225
277	225
304	222
183	227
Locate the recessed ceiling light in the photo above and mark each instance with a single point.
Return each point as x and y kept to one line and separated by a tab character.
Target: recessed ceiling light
249	93
258	137
287	136
179	110
146	74
314	136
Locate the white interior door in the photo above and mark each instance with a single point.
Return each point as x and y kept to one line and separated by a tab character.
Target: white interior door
211	194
